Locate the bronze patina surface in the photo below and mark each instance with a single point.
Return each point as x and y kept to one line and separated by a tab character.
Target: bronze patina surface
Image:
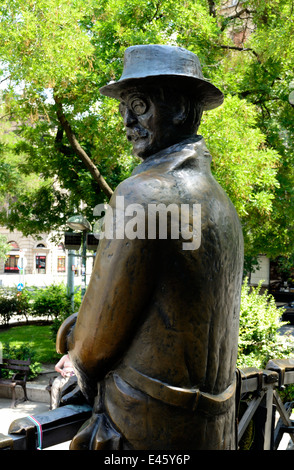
154	343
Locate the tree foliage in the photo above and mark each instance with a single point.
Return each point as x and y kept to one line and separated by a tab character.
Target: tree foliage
259	336
69	146
4	248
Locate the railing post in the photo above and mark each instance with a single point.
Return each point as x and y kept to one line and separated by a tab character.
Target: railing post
269	396
259	385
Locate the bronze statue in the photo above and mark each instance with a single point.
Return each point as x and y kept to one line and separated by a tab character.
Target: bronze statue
154	344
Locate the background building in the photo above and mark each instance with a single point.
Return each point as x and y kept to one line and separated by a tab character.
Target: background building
39	262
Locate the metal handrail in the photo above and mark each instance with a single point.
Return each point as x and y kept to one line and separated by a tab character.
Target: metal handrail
257	388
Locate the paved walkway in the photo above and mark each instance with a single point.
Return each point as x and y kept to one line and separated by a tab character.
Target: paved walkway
38	404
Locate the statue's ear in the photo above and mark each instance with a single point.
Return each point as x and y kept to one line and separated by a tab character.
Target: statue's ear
182	112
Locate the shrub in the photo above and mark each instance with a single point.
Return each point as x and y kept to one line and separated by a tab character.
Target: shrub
8	305
14	302
259	338
63	315
22	352
51	301
24	303
260	341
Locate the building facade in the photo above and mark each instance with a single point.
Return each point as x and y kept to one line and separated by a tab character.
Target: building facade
39	262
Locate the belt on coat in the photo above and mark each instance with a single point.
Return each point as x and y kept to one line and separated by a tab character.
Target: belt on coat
189	398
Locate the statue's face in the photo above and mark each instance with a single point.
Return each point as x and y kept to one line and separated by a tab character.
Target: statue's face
148	121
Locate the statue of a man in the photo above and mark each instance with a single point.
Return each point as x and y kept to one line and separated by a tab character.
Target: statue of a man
154	344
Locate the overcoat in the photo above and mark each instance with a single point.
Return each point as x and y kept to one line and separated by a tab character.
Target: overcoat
156	336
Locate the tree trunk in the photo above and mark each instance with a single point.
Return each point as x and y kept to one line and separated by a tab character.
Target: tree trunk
79	150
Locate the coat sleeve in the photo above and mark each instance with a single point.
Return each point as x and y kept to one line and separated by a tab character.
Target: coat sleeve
114	305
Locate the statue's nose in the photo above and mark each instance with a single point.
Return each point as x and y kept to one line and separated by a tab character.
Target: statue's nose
129	118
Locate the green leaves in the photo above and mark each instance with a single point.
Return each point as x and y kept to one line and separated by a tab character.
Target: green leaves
242	163
4	248
70	49
259	338
43	41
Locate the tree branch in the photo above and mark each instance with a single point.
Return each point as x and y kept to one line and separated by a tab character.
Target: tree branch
239	13
235	16
155	17
79	150
212	9
241	49
66	150
6	78
5	115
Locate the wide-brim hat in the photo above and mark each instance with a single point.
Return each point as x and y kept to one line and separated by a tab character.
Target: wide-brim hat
168	64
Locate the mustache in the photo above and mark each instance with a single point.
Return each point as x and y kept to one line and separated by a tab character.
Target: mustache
136	133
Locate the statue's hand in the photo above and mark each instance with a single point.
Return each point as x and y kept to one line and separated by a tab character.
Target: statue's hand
63	332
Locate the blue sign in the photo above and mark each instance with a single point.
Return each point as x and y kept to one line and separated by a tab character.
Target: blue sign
20	286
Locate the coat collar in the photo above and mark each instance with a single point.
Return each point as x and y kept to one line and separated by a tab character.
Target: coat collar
191	151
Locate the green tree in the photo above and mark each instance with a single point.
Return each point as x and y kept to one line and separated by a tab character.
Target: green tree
56	55
259	69
244	165
4	247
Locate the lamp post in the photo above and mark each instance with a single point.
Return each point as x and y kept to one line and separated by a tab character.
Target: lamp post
78	223
70	276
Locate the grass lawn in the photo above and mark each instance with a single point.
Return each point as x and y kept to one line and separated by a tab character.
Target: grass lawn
38	337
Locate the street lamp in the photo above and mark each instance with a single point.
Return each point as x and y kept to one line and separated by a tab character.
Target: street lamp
79	223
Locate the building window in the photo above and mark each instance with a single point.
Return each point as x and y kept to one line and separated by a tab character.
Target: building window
40	264
11	264
12	259
61	264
